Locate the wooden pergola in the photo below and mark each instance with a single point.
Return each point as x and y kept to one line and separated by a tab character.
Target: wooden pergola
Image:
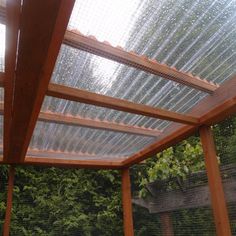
35	32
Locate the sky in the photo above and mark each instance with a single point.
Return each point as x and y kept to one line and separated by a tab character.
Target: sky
107	20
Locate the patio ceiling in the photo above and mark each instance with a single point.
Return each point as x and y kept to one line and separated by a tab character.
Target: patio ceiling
72	99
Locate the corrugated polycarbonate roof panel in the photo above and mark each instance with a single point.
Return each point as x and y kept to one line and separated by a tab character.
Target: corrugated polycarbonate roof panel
68	139
1	94
85	71
193	36
89	111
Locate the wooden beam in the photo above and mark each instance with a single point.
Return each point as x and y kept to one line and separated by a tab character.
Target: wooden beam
166	224
43	25
210	110
89	164
127	204
194	197
78	95
11	175
13	12
215	183
2	79
52	162
90	44
94	124
51	154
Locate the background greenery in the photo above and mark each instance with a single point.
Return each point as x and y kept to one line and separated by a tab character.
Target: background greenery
57	201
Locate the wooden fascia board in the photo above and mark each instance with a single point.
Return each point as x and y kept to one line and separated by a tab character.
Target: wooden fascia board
35	64
91	45
2	79
90	164
12	20
51	154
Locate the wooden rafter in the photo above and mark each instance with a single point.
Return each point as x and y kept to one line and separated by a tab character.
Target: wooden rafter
94	124
73	163
90	44
13	10
36	153
78	95
224	98
211	110
31	86
90	164
2	78
73	156
104	49
35	63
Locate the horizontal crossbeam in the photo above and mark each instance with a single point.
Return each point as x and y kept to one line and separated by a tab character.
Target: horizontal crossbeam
94	124
78	95
91	45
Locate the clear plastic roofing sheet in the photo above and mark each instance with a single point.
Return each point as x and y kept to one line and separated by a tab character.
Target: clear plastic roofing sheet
83	70
191	35
82	141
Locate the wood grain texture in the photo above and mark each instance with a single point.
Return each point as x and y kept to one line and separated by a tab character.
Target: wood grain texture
7	221
74	39
94	124
78	95
90	164
166	224
2	78
43	25
127	203
210	110
71	155
13	12
97	124
90	44
61	157
194	197
215	183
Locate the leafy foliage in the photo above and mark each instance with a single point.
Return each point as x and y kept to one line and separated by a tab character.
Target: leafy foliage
53	201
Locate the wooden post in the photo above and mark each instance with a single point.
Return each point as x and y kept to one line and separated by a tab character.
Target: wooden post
215	184
11	174
127	204
166	224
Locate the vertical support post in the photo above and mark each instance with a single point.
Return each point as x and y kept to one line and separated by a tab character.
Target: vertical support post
6	227
215	184
127	203
166	224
